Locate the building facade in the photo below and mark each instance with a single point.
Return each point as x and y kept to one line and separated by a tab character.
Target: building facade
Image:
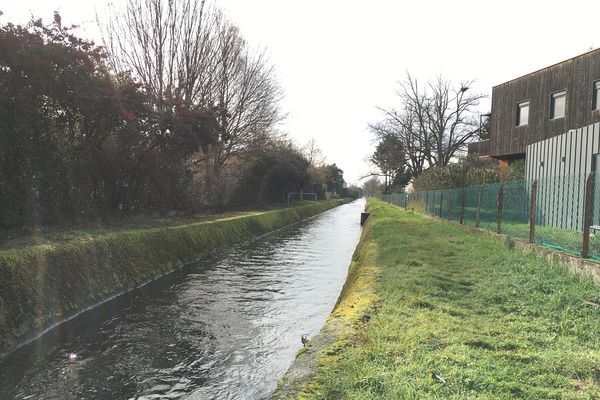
543	104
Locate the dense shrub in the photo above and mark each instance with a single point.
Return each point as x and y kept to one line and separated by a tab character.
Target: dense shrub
468	171
263	177
77	143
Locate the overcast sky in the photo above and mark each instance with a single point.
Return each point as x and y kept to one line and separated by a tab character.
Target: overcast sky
339	59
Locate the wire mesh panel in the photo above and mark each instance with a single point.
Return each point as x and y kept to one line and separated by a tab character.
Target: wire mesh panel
418	202
488	210
595	217
431	196
441	204
456	204
472	196
516	204
398	199
559	209
433	200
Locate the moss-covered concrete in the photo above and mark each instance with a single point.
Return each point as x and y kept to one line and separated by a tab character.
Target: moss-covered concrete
43	284
357	298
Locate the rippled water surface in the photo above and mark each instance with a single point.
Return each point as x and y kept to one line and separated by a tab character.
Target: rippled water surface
224	328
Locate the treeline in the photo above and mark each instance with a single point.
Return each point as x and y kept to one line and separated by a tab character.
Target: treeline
176	112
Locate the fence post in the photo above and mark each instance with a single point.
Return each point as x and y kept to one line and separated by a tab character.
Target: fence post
426	202
479	206
433	205
462	206
587	216
532	212
450	204
441	203
499	218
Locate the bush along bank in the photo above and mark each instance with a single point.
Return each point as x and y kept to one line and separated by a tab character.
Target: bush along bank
41	285
461	315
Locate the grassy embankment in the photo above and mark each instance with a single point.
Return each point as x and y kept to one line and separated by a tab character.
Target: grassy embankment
461	315
60	233
41	284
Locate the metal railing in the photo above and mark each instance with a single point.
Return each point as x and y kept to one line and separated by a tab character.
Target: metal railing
562	212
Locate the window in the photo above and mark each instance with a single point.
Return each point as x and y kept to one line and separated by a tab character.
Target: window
596	96
523	113
558	104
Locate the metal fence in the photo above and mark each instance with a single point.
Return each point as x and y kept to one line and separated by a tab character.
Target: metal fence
562	212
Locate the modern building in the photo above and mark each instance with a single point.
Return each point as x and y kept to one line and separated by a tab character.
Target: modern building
542	105
551	118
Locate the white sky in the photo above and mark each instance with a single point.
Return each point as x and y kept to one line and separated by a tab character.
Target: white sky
339	59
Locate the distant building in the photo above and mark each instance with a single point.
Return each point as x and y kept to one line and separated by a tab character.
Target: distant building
543	105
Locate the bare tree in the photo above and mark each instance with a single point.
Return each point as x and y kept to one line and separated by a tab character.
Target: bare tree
372	187
313	153
170	46
186	52
247	94
433	124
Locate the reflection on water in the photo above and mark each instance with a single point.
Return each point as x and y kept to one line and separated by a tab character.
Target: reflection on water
224	328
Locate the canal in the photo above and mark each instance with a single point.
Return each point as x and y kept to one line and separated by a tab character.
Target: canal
227	327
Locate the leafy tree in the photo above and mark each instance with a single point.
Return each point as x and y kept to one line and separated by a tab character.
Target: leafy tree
76	142
80	143
389	158
335	181
353	191
268	176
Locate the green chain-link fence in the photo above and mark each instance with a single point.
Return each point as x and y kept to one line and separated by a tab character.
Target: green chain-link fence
558	218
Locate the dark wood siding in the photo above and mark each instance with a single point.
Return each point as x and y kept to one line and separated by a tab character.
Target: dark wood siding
480	149
576	76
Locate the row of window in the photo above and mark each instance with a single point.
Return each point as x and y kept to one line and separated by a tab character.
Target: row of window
558	105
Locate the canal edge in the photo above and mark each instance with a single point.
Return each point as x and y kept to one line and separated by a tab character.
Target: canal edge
115	270
355	302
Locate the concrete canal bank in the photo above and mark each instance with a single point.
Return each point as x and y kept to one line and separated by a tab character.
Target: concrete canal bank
42	285
358	296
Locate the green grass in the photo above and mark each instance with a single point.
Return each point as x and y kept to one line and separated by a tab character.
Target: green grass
54	234
462	316
60	233
516	223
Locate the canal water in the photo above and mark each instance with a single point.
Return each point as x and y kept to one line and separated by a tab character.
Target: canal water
224	328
